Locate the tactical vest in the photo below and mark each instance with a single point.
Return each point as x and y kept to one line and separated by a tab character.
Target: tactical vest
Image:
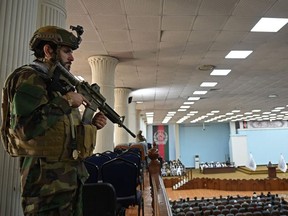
68	139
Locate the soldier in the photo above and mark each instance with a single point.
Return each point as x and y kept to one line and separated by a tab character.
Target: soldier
42	124
140	137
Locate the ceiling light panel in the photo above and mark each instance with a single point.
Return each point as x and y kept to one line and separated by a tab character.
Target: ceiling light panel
208	84
238	54
196	98
199	92
269	24
220	72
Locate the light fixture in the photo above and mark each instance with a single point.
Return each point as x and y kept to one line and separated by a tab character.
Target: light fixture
181	110
220	72
238	54
149	117
272	95
195	112
208	84
199	92
269	24
196	98
166	119
184	107
188	102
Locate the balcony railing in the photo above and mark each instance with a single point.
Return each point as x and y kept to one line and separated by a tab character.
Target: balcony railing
160	201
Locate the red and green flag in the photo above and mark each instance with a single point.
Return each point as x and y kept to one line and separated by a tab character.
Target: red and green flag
161	138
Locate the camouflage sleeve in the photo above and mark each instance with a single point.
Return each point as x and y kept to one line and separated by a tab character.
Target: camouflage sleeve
33	111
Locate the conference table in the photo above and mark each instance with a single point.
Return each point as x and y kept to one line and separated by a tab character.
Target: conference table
213	170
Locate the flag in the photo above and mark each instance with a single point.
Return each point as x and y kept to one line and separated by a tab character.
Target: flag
161	138
251	163
282	164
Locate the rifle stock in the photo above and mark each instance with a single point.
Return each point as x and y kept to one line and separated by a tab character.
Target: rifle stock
97	100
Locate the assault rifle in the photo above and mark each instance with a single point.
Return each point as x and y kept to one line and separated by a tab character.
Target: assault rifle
93	95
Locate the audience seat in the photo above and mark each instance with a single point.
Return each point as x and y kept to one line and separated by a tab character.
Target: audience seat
99	199
123	174
93	171
225	211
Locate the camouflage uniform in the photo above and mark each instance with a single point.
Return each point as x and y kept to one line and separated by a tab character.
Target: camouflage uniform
49	186
40	126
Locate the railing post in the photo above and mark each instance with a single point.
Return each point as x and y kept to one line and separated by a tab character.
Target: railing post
160	202
154	165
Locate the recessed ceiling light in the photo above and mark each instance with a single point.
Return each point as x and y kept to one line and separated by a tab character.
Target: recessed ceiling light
190	114
194	112
235	111
265	113
215	111
272	96
184	107
166	120
149	119
238	54
188	102
208	84
168	114
199	92
171	112
149	113
269	25
229	113
220	72
196	98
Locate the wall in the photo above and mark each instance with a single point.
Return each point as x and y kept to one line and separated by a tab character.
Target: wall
266	144
211	143
214	143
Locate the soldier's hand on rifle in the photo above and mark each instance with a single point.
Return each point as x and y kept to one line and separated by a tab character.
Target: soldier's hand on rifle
99	120
75	100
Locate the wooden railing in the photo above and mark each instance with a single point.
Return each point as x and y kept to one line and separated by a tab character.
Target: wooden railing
160	201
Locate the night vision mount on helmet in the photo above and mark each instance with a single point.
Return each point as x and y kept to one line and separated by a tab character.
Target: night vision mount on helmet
59	36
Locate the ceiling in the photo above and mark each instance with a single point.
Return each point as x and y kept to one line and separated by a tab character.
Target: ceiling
160	45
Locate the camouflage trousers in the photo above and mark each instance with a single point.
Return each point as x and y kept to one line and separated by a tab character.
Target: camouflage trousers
62	204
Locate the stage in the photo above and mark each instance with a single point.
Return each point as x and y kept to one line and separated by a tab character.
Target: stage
240	173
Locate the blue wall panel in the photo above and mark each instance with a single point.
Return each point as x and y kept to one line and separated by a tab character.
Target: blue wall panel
211	144
266	144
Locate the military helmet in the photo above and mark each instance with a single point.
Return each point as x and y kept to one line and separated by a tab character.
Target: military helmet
56	35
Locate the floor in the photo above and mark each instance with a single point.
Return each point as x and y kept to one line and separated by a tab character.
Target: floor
177	194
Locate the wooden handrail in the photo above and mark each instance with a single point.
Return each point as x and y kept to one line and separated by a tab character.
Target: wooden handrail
160	201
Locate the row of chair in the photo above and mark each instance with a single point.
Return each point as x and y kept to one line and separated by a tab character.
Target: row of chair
122	172
241	206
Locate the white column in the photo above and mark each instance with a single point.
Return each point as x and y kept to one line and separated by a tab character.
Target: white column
103	70
52	12
139	119
18	21
132	122
121	107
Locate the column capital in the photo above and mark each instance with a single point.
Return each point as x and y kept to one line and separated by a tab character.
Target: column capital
99	58
122	89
